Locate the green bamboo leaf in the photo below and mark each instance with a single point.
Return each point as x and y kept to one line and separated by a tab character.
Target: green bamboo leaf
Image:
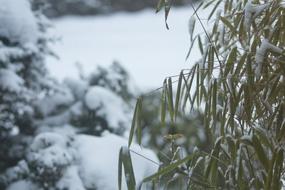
214	101
211	167
278	168
160	4
231	61
274	90
167	6
169	93
281	135
192	23
120	164
162	104
188	88
190	49
210	64
260	152
128	168
240	64
177	98
132	131
229	25
200	45
247	102
138	121
198	84
263	137
168	168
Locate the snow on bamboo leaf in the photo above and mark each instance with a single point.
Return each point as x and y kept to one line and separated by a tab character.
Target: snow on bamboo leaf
261	53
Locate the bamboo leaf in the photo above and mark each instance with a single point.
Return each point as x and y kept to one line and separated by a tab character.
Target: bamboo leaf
167	6
200	45
260	152
138	121
214	102
229	25
231	61
126	161
168	168
247	102
190	48
132	131
120	163
162	104
159	5
177	98
128	168
169	93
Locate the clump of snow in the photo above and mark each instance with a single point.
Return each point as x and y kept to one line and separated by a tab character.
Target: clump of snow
10	81
261	52
17	22
78	87
50	103
251	11
6	53
107	105
50	150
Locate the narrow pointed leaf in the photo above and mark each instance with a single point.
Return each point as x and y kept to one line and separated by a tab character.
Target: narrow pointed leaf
132	131
170	99
168	168
177	98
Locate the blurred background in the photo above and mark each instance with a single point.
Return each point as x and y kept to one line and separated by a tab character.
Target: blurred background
71	71
99	32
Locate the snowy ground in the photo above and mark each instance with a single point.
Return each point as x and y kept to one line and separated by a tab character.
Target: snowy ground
139	41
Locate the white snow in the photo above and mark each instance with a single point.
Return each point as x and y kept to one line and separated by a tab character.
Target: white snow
261	52
78	87
71	180
10	81
251	11
102	162
17	22
22	185
139	41
107	105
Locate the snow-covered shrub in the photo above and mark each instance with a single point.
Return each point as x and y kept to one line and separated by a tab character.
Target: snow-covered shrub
74	162
23	45
116	79
95	104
